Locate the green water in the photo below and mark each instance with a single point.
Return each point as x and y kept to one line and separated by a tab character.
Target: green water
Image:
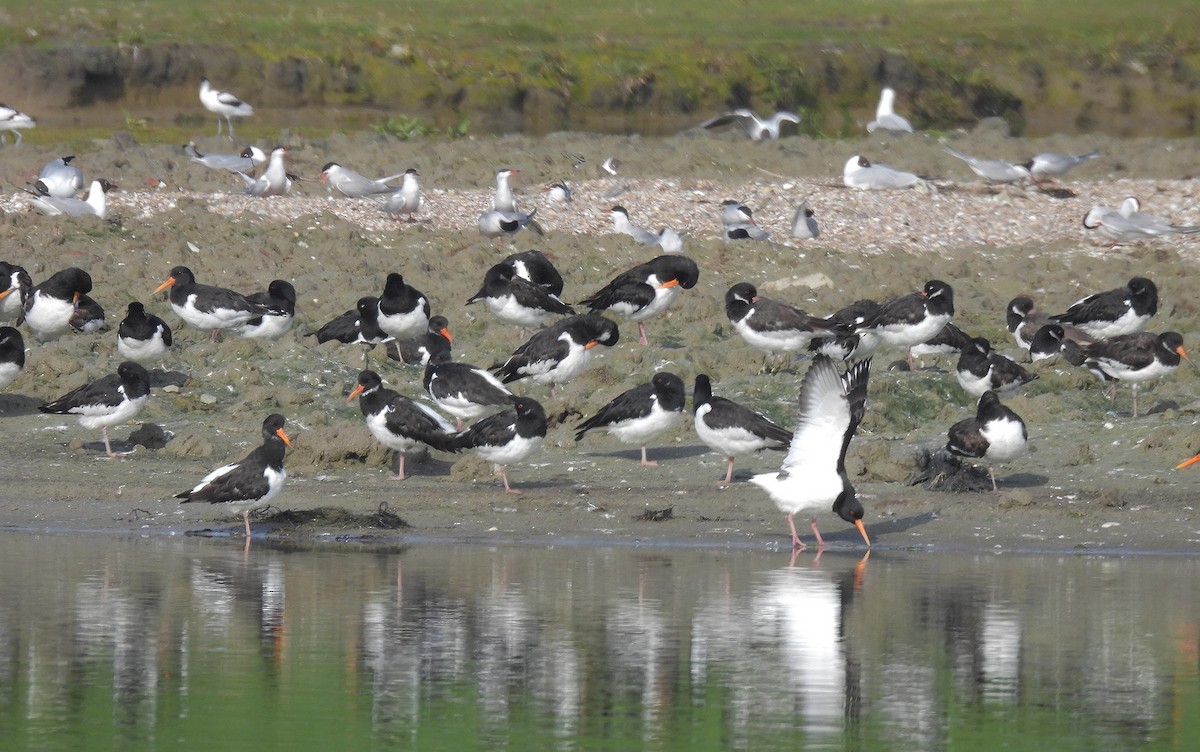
164	644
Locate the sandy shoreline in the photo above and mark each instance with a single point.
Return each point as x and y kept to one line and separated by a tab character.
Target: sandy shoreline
1097	479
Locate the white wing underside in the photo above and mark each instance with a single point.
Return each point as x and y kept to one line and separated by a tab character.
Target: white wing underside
824	416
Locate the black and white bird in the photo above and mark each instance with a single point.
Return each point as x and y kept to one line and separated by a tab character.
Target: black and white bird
280	299
506	437
515	300
1025	323
804	223
995	435
252	482
981	369
731	429
405	200
142	336
771	325
535	267
274	181
418	351
559	353
847	345
360	325
813	473
223	104
15	286
1134	358
465	391
397	422
247	160
353	185
641	413
207	307
949	341
1112	313
498	224
60	178
95	204
886	118
756	128
645	290
50	305
12	355
13	121
107	401
88	317
403	309
912	319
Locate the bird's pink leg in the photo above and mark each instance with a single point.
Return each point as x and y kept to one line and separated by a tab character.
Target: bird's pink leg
646	462
399	466
642	334
108	446
797	544
246	519
728	473
215	334
820	540
504	477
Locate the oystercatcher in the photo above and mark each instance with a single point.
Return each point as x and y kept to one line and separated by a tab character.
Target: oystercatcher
1109	314
515	300
50	305
15	286
396	421
88	316
731	429
535	267
250	483
463	390
419	351
912	319
646	290
995	435
981	369
640	414
949	341
559	353
506	437
142	336
280	298
107	401
403	309
813	473
845	346
206	306
360	325
770	325
1135	358
12	355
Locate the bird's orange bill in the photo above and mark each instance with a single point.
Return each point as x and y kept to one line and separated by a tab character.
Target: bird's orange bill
445	332
1183	354
279	432
357	390
1185	463
670	283
590	345
170	281
4	294
861	529
75	298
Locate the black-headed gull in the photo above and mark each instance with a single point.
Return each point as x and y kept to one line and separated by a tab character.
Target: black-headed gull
756	128
886	118
245	161
60	178
222	103
859	173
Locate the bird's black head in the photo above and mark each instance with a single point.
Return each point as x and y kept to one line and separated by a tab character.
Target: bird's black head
412	171
182	275
847	506
67	159
1142	287
72	279
329	165
701	391
864	162
135	309
366	304
282	289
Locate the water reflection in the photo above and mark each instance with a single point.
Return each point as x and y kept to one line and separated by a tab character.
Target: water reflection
139	644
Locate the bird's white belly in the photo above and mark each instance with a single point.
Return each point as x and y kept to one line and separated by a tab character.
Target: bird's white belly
663	298
100	416
377	425
549	372
641	430
8	372
797	492
1006	440
507	309
728	442
514	451
218	318
142	350
907	336
49	317
773	342
272	327
1128	323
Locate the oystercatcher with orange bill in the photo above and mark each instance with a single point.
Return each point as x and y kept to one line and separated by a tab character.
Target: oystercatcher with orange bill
1134	358
1113	313
645	290
559	353
419	351
15	286
50	305
396	421
813	473
731	429
771	325
250	483
535	267
504	438
107	401
207	307
640	414
995	435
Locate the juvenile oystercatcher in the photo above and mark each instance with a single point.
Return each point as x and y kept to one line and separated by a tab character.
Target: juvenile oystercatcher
995	435
981	369
50	305
912	319
250	483
559	353
640	414
418	351
357	326
463	390
107	401
1112	313
207	307
516	300
845	345
396	421
535	267
1134	358
15	286
88	317
1025	322
731	429
771	325
142	336
646	290
506	437
403	309
280	298
12	355
813	473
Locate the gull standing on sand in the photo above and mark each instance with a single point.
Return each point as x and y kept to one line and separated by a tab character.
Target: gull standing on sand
222	103
886	118
275	180
859	173
756	128
245	161
349	183
1051	164
407	198
59	178
992	170
15	121
96	204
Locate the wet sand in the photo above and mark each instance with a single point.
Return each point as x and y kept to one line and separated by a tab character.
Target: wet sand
1096	479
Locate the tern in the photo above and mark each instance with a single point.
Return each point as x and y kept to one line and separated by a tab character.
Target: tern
622	225
94	204
15	121
275	180
1050	164
504	200
861	174
222	103
495	224
886	118
559	192
350	183
992	170
60	178
407	198
245	161
1122	228
756	128
804	223
1131	209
